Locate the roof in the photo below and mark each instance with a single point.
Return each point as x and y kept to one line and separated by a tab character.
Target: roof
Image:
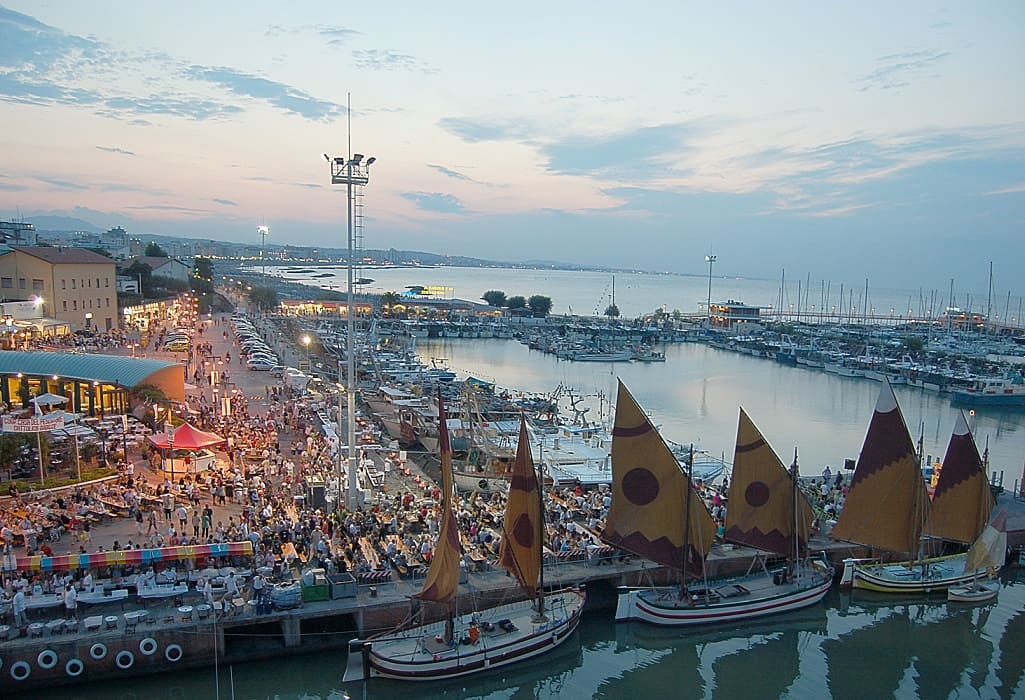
111	369
64	256
154	261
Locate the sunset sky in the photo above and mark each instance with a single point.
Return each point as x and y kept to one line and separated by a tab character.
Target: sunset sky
842	140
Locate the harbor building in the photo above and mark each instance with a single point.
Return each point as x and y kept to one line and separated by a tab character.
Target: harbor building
734	316
73	285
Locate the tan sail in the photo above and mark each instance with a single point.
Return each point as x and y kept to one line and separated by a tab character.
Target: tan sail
520	552
990	550
650	493
442	580
761	503
887	503
962	502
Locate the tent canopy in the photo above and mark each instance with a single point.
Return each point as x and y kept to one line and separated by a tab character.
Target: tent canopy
186	437
49	399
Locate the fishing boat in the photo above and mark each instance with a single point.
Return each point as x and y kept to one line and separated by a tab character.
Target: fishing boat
994	391
888	507
989	552
479	640
656	514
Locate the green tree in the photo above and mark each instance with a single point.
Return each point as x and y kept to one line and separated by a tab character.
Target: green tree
153	250
389	300
203	267
540	305
494	297
612	311
143	273
264	297
914	343
516	302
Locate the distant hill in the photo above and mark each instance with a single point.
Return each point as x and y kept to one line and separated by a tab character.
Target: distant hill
64	223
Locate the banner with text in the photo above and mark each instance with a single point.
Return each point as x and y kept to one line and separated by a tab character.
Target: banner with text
37	424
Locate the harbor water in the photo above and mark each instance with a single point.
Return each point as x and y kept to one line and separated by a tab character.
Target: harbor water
854	646
695	397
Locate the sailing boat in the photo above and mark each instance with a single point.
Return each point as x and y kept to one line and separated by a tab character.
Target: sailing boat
888	506
989	552
656	515
460	645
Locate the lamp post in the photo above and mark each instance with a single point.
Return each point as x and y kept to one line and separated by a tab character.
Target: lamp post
354	171
306	345
710	259
264	231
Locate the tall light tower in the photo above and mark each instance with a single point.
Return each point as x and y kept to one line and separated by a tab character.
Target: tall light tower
710	259
354	171
264	231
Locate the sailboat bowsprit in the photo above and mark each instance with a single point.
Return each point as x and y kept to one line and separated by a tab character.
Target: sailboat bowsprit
655	514
888	507
463	644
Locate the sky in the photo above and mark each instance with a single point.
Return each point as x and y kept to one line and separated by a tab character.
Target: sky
843	141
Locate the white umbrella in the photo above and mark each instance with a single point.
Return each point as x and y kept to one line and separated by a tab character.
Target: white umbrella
49	399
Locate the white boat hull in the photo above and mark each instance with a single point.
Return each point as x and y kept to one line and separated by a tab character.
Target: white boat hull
760	596
936	574
417	656
978	592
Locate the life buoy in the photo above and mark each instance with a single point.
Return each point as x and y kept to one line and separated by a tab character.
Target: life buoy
173	653
74	667
47	659
20	670
124	659
148	646
483	484
98	651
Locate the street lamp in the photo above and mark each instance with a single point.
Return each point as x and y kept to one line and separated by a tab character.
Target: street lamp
710	259
306	344
264	231
354	171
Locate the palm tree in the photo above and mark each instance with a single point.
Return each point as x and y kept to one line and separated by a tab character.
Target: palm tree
389	300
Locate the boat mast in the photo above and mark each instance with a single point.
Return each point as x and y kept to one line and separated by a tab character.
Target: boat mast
795	493
540	539
686	528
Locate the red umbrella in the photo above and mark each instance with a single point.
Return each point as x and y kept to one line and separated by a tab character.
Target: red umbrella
186	437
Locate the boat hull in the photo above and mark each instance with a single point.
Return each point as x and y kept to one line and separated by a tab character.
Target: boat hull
417	656
931	575
974	593
761	596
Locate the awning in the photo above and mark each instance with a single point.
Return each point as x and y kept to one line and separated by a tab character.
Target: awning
134	557
186	437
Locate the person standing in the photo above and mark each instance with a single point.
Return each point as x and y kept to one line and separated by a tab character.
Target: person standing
18	607
183	517
70	602
195	523
138	520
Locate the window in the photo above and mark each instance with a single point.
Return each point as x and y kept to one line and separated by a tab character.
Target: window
88	283
97	282
74	305
21	283
37	285
64	284
7	282
65	305
74	284
108	302
106	281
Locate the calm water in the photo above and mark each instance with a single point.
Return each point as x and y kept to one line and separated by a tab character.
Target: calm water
853	646
590	293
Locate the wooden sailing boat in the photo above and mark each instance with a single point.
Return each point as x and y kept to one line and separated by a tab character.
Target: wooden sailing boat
989	552
888	506
656	515
460	645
